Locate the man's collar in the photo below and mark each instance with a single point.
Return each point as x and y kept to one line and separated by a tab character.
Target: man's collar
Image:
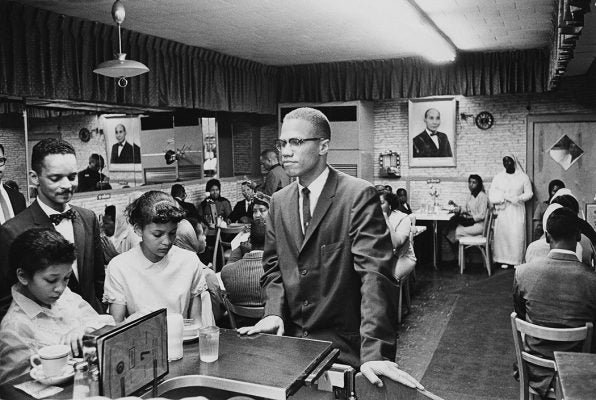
319	182
430	133
555	252
49	210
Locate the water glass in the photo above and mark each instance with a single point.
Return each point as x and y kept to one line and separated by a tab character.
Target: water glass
209	344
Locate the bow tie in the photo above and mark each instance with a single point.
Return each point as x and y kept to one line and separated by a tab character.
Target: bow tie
433	133
57	218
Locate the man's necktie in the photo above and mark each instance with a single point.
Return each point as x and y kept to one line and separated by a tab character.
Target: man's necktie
57	218
5	208
433	133
305	208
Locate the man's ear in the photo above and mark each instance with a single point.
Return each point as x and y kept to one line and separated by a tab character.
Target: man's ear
547	236
22	277
324	147
138	230
34	178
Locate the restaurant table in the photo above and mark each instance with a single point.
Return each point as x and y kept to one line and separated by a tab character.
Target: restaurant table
268	366
435	218
577	374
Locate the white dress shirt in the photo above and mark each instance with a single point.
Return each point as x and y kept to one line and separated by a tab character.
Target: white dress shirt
316	187
434	138
4	194
64	228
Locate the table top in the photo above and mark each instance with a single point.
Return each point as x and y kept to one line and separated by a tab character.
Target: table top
577	373
440	216
420	229
277	364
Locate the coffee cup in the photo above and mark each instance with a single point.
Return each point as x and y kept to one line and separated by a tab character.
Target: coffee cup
52	359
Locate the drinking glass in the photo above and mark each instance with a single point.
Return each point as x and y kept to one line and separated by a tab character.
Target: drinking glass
209	344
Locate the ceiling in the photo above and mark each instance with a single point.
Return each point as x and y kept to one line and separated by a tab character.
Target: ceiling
288	32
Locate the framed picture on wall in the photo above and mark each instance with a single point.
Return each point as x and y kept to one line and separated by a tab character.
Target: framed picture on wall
123	143
591	214
431	132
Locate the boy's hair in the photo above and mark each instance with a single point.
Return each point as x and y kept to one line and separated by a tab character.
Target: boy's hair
563	224
154	206
38	248
46	147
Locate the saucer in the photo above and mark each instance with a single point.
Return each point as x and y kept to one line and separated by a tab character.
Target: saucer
187	339
37	374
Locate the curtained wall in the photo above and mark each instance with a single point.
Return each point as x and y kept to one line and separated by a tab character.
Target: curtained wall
47	55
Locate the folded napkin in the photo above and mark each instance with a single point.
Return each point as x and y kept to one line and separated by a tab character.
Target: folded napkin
38	390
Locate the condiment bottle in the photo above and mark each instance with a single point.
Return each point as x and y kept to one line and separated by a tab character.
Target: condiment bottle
80	388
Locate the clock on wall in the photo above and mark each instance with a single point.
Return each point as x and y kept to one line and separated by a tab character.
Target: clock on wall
484	120
84	135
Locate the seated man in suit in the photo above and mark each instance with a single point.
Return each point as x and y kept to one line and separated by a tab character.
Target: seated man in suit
241	278
431	142
122	151
404	206
242	211
558	291
91	178
178	192
12	201
54	172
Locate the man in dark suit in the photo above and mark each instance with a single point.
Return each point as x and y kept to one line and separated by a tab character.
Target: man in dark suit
431	142
178	192
54	172
242	211
558	291
328	260
12	201
122	151
402	195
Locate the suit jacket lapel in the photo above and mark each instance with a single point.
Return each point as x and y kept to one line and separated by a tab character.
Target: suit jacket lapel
323	204
39	216
79	236
291	215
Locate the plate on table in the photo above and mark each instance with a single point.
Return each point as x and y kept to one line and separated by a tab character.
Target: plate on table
67	374
188	339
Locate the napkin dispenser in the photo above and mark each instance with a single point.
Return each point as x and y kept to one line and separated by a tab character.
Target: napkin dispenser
130	356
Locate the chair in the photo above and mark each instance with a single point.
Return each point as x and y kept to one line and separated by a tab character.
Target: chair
224	247
482	242
240	311
521	329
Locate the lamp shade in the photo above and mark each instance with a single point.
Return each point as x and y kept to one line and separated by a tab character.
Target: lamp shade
121	68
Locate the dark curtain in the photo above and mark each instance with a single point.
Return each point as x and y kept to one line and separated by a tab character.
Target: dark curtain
47	55
472	74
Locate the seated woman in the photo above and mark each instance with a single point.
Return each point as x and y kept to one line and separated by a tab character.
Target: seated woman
214	207
43	311
157	274
400	225
469	219
118	236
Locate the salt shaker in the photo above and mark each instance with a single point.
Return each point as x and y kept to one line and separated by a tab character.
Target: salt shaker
80	388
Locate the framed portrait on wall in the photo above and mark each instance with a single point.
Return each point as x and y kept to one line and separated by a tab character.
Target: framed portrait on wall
431	132
123	144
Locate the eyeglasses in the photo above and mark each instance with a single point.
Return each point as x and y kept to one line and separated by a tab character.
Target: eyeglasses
2	161
293	142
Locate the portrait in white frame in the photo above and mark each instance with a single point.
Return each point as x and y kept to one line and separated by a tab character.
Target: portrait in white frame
123	143
431	132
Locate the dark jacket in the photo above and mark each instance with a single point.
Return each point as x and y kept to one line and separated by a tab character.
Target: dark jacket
131	153
424	146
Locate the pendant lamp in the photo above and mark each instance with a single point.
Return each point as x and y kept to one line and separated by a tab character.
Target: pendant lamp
120	67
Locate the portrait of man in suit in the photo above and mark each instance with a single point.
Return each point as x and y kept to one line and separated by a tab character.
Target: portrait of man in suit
432	132
124	152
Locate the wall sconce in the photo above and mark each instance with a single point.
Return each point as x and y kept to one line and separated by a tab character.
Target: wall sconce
390	165
467	117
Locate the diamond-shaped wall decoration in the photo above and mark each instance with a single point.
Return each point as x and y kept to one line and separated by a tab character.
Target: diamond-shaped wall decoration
565	152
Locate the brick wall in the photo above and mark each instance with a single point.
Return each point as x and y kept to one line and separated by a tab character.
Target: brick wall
12	137
477	151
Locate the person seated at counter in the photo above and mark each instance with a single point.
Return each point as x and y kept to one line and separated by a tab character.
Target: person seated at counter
214	206
469	219
44	311
91	178
404	206
553	187
136	280
241	278
399	225
242	211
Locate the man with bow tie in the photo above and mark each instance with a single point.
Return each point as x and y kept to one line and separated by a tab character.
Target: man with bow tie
431	142
122	151
54	172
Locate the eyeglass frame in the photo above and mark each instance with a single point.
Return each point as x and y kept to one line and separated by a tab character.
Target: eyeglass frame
3	161
281	143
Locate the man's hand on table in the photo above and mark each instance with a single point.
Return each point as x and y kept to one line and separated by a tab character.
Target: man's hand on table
372	370
269	324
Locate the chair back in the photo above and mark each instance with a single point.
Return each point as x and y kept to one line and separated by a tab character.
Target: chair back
488	220
216	249
240	311
226	235
521	329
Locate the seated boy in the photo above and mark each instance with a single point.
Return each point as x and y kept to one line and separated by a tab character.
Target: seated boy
43	311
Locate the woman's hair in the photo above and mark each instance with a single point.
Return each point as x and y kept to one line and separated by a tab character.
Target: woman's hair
479	180
154	206
211	183
36	249
555	182
393	201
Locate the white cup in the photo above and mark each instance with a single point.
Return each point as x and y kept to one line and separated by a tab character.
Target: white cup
52	359
175	336
209	344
